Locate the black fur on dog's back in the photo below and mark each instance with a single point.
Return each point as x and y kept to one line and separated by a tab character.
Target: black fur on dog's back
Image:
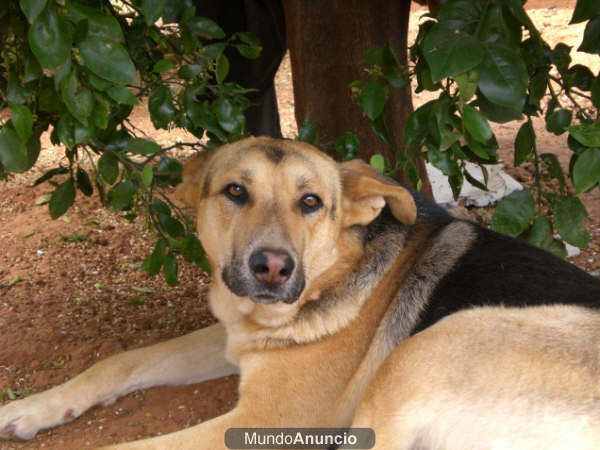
500	270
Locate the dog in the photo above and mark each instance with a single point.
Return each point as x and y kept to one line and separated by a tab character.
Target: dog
346	300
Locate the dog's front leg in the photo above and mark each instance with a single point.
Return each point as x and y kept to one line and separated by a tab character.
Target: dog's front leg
193	358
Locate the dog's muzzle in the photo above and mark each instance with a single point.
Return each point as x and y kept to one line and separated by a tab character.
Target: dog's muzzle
268	276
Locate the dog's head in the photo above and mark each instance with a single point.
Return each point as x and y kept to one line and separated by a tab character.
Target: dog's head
272	214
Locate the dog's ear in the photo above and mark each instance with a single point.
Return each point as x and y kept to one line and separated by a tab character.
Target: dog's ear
365	193
192	177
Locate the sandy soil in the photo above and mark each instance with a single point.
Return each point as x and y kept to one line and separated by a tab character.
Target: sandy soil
71	292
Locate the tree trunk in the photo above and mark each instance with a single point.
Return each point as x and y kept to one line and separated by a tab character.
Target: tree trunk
327	40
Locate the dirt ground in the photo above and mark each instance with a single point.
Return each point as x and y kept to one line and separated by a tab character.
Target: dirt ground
71	292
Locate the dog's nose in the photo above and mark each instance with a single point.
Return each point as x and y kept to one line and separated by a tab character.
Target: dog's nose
271	266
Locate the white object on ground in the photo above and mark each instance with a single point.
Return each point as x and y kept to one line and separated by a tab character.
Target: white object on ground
571	249
500	184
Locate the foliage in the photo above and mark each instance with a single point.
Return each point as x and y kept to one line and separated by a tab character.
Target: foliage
489	63
79	67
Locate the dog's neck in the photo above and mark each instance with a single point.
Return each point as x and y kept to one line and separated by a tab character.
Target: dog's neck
329	304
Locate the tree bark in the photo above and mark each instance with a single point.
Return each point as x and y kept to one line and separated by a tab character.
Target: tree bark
327	40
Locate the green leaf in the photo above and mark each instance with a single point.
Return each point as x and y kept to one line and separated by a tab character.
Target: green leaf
49	39
537	88
222	68
456	182
100	25
168	172
585	10
160	207
147	176
108	59
377	162
503	77
497	113
248	38
464	14
467	84
70	132
98	83
542	236
121	195
443	161
379	128
518	11
101	111
79	101
514	213
251	47
348	146
162	66
33	70
22	120
569	215
474	181
448	138
108	166
476	147
230	118
170	269
476	124
498	25
308	131
153	262
160	105
595	91
13	151
587	134
247	51
372	99
152	9
62	198
206	27
190	71
450	51
15	93
192	250
213	51
49	174
586	171
142	146
591	37
32	8
84	183
172	226
66	130
416	127
560	56
553	167
122	94
579	76
558	121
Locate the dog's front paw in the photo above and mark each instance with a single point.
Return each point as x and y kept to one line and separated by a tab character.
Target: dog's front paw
22	419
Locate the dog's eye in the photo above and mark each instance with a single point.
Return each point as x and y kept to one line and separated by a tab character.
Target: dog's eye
236	193
310	203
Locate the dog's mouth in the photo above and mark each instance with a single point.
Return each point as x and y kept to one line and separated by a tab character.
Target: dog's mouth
267	299
243	285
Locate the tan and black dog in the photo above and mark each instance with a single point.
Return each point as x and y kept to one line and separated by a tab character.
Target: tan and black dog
345	299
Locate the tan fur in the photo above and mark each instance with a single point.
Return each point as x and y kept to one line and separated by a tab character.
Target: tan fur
336	354
525	379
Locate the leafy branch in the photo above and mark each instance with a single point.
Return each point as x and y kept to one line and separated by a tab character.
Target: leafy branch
489	63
